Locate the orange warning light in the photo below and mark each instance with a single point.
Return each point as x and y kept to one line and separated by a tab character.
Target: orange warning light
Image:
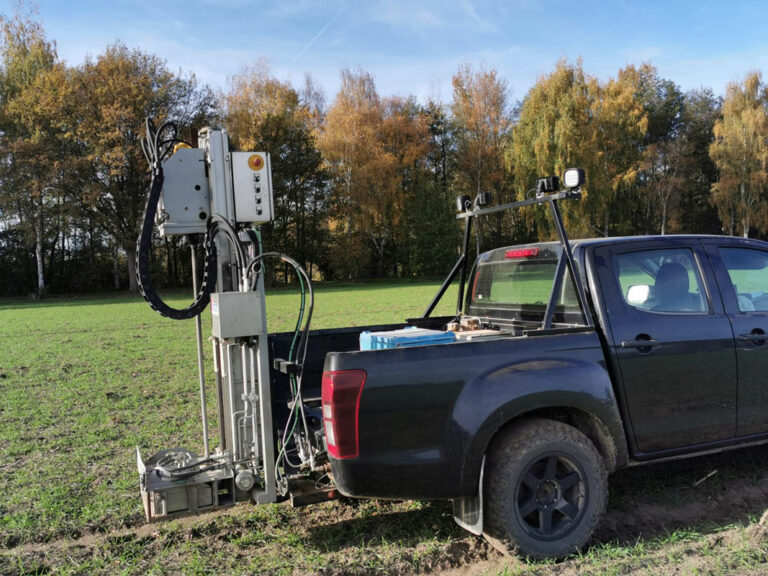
255	162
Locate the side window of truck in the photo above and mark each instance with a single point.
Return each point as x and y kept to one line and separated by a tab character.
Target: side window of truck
748	269
661	280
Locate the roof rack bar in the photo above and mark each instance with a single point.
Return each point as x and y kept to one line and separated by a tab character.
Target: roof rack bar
574	271
562	195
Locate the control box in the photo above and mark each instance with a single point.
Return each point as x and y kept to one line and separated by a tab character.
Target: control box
185	203
236	314
252	183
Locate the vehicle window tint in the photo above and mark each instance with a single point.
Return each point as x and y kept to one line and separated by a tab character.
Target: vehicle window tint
515	283
519	283
568	298
748	270
661	280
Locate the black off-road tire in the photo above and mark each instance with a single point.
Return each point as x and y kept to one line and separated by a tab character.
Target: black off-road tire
545	489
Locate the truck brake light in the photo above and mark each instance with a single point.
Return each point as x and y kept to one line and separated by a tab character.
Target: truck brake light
522	253
341	409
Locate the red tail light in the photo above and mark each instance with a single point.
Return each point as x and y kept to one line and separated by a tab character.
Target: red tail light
341	408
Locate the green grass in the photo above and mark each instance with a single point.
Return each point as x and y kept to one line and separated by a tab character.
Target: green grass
85	380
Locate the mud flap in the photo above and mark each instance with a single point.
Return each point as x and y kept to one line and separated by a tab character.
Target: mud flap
468	512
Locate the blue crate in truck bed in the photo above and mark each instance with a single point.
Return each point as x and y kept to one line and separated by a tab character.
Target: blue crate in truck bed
410	336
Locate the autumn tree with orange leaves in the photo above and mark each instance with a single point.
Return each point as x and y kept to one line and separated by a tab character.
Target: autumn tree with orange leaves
264	113
483	125
375	151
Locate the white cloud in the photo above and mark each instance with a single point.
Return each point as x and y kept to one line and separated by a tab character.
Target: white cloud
469	9
642	53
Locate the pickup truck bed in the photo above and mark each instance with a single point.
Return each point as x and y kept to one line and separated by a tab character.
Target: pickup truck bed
427	413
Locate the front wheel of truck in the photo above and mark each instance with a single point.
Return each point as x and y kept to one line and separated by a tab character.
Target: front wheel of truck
545	489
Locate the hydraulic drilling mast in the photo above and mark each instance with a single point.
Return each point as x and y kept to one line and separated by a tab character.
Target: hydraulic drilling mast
224	195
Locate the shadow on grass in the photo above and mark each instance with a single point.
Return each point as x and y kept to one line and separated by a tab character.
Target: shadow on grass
647	503
409	528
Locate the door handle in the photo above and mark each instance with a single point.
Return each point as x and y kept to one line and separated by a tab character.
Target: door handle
650	343
754	337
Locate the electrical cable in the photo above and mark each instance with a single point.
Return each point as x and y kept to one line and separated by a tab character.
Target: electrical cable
185	474
254	236
223	225
183	464
302	348
157	147
287	436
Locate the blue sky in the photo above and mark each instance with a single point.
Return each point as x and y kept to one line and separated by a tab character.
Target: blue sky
414	47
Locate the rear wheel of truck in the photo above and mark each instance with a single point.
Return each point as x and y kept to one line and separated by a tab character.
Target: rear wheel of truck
545	489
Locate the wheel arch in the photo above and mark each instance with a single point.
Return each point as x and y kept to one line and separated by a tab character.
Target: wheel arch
584	421
598	421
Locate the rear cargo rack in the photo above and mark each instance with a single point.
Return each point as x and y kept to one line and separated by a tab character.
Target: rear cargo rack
469	214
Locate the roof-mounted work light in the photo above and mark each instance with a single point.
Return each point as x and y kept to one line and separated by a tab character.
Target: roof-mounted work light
548	184
573	178
483	199
463	203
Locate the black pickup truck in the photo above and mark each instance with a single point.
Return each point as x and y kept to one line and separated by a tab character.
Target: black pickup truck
564	362
570	360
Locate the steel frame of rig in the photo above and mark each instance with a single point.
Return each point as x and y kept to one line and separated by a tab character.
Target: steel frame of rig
224	195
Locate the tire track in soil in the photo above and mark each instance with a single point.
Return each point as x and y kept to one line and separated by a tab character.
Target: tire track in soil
738	492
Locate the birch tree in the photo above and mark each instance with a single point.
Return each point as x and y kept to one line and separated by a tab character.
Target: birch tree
483	129
30	165
740	151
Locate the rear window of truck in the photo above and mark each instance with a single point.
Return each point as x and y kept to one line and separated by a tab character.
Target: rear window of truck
516	284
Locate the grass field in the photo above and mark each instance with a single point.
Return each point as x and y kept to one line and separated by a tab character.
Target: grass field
85	380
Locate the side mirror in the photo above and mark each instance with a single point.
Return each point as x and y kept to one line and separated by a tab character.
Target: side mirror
638	294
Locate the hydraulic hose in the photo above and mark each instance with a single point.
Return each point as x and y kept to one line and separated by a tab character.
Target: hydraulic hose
296	414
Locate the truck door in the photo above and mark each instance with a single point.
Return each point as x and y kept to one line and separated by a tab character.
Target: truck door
672	343
741	269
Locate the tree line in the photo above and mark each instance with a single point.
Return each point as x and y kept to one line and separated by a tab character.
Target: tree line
364	184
